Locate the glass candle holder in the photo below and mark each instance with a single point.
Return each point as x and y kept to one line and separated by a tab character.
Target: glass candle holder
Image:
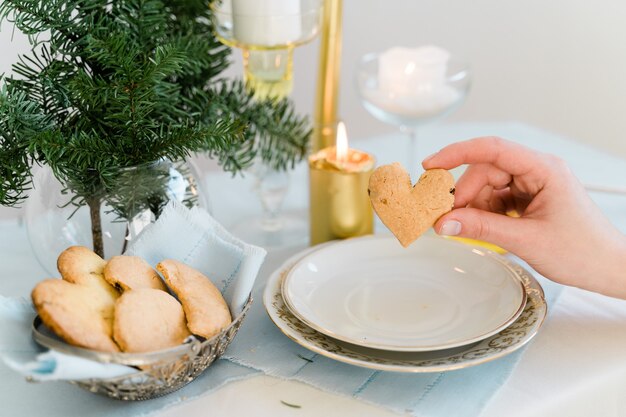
53	223
267	31
410	87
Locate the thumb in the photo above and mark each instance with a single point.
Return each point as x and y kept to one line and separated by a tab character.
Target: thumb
472	223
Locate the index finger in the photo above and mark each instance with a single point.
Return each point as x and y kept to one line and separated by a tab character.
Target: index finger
508	156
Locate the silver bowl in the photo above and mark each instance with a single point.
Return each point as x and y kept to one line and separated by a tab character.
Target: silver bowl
158	373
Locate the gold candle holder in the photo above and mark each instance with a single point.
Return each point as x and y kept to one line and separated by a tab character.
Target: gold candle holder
339	203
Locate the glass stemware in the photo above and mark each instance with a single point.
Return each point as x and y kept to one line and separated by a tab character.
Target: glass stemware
274	228
267	32
410	87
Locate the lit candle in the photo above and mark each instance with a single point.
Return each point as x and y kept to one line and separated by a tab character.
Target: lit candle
266	22
412	82
339	177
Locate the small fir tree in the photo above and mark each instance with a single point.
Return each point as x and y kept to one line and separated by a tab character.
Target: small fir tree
113	84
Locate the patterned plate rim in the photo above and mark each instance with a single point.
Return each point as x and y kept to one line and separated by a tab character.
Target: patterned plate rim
515	336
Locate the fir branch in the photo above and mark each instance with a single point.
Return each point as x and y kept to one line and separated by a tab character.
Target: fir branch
44	79
281	135
20	120
193	30
119	84
144	20
36	17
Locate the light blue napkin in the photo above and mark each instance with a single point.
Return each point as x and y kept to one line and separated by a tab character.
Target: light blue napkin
188	235
19	398
20	353
258	348
464	392
194	237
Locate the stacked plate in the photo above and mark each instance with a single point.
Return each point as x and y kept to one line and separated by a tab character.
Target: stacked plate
437	305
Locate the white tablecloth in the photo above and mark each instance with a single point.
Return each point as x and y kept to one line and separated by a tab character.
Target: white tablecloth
575	366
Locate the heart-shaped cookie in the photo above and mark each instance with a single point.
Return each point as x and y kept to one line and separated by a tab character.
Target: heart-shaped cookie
408	211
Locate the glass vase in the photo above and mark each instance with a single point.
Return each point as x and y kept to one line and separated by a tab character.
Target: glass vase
110	218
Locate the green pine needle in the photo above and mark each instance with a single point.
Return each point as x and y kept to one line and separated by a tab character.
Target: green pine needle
110	85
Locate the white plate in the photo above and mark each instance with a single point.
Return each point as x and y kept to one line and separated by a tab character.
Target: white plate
496	346
436	294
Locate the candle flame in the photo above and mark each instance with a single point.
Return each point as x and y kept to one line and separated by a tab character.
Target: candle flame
341	144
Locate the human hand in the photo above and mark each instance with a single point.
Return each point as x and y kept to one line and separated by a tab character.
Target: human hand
560	232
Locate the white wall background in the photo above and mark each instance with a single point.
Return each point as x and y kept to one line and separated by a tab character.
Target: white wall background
556	64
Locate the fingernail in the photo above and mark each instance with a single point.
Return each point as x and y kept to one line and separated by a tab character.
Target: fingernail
450	228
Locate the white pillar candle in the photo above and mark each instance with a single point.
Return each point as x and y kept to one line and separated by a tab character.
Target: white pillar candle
412	82
266	22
